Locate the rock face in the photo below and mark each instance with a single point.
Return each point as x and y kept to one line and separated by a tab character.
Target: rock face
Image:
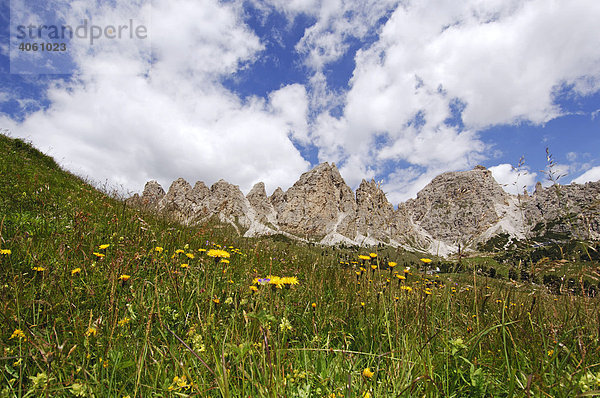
457	208
319	203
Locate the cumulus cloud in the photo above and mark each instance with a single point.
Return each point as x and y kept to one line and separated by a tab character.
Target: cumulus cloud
127	118
513	180
591	175
441	72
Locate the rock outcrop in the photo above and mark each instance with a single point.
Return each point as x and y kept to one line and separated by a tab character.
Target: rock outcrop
456	208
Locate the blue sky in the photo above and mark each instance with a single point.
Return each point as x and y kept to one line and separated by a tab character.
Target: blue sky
263	90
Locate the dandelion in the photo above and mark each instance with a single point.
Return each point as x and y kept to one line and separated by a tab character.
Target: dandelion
124	277
103	247
550	353
158	249
124	321
225	261
290	280
179	251
218	253
407	288
184	265
254	288
367	373
426	260
92	331
362	304
18	333
373	267
75	271
216	300
363	257
392	264
99	255
5	252
373	255
202	250
314	305
190	255
400	277
39	269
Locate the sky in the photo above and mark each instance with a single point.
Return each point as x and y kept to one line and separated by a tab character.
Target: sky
264	90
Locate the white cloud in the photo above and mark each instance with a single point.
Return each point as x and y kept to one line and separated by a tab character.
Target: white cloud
513	180
172	118
591	175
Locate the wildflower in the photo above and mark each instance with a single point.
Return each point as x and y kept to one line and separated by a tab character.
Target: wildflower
373	255
124	321
225	261
427	291
18	333
550	353
158	249
362	304
75	271
179	251
363	257
218	253
426	260
99	255
39	269
216	300
373	267
314	305
202	250
290	280
189	255
285	325
392	264
184	265
254	288
92	331
407	288
367	373
400	277
5	252
124	277
103	247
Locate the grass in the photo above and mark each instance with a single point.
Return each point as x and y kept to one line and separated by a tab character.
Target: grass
130	320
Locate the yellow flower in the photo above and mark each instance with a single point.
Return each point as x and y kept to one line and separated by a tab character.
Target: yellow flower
91	331
367	373
373	255
400	277
392	264
18	333
407	288
201	250
189	255
179	251
314	305
426	260
39	269
218	253
373	267
225	261
5	252
362	304
158	249
550	353
75	271
103	247
216	300
184	265
124	277
290	280
124	321
99	255
254	288
363	257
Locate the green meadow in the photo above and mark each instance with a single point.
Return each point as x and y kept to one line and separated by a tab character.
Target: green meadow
102	300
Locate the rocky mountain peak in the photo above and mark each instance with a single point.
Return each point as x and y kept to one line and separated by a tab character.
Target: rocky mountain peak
153	193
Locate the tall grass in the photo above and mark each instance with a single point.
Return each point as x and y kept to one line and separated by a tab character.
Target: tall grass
199	330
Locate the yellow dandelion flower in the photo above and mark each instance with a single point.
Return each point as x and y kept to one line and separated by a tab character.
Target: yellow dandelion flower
363	257
372	255
224	261
550	353
426	260
202	250
373	267
124	277
289	280
218	253
92	331
190	255
39	269
184	265
18	333
179	251
367	373
124	321
407	288
362	304
103	247
314	305
5	252
75	271
99	255
254	288
400	277
392	264
216	300
158	249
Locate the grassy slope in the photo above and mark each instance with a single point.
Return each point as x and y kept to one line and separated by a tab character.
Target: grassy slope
172	331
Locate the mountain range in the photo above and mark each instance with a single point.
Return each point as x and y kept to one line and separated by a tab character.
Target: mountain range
456	210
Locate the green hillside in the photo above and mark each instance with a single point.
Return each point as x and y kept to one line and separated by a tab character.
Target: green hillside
103	300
